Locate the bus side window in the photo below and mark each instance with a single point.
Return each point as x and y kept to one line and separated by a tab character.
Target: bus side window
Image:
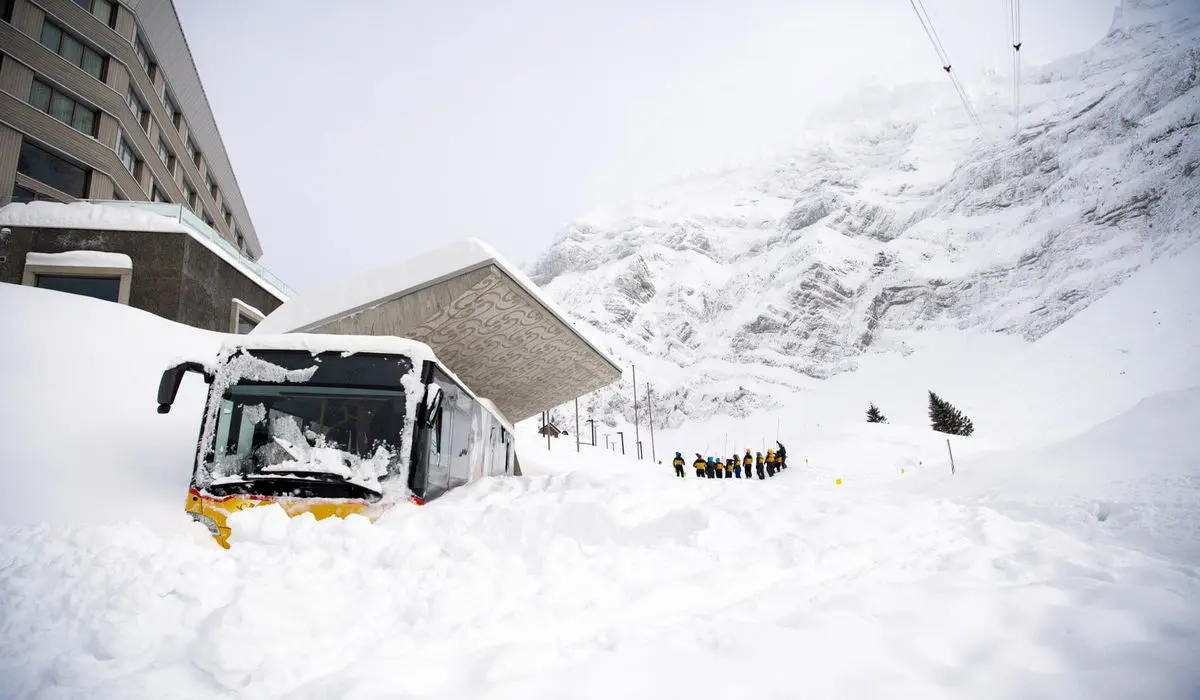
435	440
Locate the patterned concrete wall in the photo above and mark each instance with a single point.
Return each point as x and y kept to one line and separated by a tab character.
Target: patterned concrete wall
495	337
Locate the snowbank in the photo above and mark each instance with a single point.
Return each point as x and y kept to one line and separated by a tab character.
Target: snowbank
595	575
80	441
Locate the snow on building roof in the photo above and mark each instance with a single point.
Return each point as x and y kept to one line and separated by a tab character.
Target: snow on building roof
128	216
81	258
86	216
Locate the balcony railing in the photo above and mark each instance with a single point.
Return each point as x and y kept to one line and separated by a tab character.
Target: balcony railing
183	215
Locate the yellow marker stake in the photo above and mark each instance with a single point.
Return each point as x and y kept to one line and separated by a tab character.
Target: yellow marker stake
901	471
839	481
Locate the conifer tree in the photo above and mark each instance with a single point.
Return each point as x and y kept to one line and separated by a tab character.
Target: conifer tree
874	415
945	418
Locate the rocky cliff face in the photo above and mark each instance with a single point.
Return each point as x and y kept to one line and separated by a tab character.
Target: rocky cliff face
732	287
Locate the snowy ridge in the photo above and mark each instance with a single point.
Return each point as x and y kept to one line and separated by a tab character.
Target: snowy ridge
736	285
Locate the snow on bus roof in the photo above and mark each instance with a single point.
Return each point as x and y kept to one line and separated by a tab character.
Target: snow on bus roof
308	310
315	343
326	342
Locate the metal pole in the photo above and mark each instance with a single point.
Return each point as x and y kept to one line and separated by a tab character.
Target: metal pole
576	423
546	422
636	434
650	411
622	434
951	456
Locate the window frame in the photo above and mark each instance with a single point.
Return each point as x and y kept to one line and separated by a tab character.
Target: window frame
87	172
157	195
123	147
85	47
166	155
89	6
144	58
32	271
238	309
76	106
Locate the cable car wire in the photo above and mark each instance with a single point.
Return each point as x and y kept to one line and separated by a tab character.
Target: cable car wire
922	13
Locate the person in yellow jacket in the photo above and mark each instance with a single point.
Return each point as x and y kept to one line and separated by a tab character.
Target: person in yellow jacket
678	462
758	466
748	464
699	464
729	464
771	464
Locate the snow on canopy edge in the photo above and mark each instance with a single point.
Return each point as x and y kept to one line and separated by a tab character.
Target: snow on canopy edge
80	258
309	310
85	215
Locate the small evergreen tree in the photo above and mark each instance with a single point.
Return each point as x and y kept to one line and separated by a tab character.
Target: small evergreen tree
945	418
874	415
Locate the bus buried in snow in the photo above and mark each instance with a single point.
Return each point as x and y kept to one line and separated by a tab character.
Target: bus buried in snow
333	425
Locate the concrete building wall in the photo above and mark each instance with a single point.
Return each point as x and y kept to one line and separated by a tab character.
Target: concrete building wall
174	276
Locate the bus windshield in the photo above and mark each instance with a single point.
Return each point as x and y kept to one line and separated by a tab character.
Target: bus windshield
307	440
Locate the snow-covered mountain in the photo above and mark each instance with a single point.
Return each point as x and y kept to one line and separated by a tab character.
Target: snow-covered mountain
898	215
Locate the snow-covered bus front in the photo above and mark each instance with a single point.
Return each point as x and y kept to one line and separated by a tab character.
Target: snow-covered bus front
333	425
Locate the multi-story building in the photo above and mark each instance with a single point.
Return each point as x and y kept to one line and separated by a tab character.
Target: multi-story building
100	100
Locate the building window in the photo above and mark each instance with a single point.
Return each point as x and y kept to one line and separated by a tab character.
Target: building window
63	108
6	9
106	288
168	158
128	156
191	150
24	195
72	49
207	219
90	273
102	10
138	108
244	317
176	115
226	216
189	196
45	167
143	57
156	195
212	186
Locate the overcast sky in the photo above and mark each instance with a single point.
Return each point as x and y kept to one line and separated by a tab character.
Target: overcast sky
363	132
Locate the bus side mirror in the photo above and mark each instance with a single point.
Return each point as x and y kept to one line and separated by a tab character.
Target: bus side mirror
168	386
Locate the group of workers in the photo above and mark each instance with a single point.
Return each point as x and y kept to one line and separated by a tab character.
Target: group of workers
734	467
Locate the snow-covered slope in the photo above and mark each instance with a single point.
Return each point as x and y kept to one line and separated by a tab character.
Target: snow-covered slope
1064	571
899	216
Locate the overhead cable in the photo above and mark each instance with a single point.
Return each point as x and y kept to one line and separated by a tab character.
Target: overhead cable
943	57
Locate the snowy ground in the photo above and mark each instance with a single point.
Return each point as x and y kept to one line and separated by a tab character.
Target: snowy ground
1060	568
